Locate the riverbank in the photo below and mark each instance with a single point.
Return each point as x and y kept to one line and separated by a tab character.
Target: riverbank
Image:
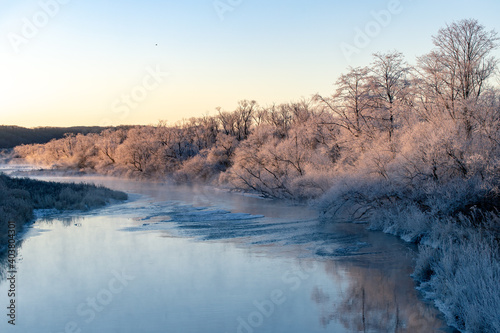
19	197
457	229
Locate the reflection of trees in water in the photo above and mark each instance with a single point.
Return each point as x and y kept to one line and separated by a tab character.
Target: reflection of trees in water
4	260
374	300
67	221
3	265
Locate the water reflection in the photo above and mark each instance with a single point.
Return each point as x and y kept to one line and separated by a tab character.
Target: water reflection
6	260
202	263
374	300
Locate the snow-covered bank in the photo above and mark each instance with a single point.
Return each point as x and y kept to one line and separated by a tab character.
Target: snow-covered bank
19	197
458	262
461	274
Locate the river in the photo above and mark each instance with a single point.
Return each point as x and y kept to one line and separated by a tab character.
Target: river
199	259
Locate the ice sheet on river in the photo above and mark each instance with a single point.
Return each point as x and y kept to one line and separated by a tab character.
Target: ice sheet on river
212	224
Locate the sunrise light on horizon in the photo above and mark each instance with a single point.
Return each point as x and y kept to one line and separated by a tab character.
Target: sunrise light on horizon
69	63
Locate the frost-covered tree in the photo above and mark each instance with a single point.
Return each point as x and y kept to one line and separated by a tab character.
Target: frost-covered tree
465	47
455	73
107	144
239	122
390	85
352	102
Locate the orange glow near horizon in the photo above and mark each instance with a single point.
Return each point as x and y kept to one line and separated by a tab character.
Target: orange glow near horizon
63	71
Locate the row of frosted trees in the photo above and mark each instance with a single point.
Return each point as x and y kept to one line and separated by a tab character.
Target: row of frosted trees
263	149
436	120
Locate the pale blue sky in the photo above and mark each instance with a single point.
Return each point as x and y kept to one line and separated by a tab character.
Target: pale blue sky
79	65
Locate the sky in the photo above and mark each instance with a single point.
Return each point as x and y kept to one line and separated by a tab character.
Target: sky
98	62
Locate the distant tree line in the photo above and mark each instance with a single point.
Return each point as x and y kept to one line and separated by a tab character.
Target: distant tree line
11	136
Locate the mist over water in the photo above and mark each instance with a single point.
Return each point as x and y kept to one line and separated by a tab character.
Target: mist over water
199	259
